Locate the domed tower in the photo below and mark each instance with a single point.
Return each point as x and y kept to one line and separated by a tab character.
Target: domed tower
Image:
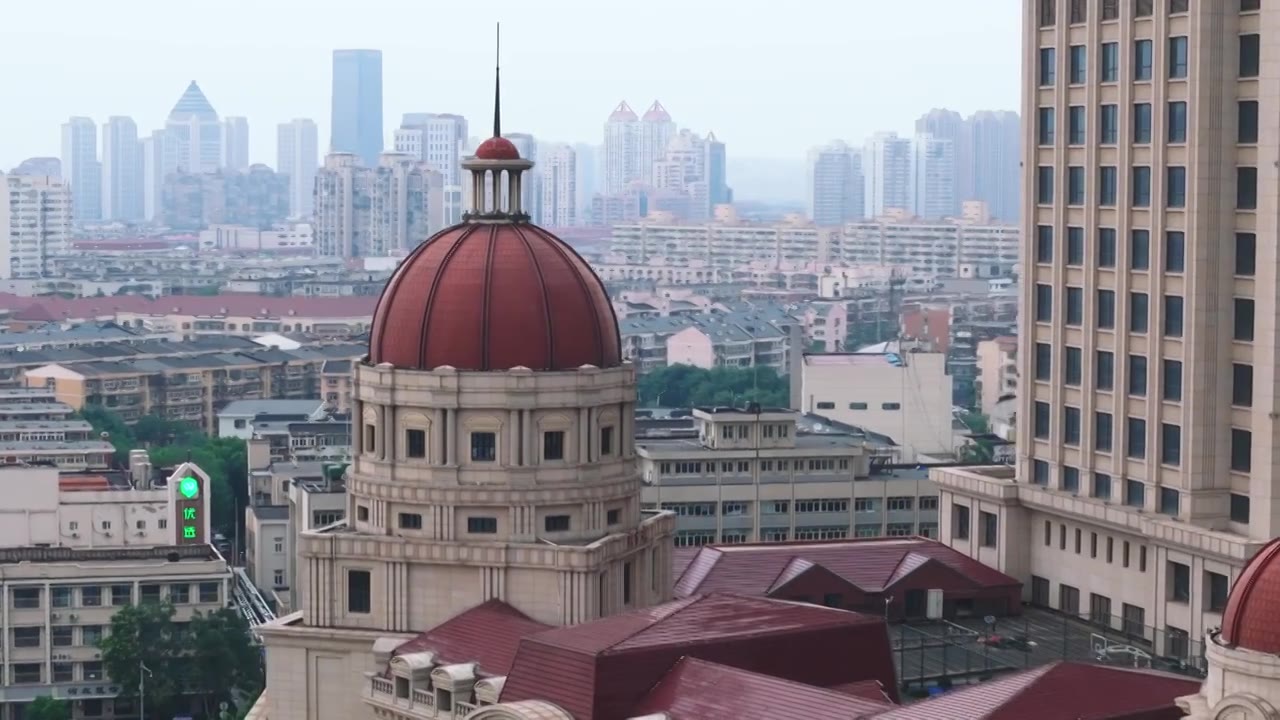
493	432
1243	681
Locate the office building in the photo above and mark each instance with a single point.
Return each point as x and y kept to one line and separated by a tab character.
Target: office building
836	192
933	178
35	224
356	121
559	181
744	477
716	172
235	144
81	169
886	174
298	158
439	140
376	212
122	171
77	547
589	170
153	173
577	548
1143	481
192	135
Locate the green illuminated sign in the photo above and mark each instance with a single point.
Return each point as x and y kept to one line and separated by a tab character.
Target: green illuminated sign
189	487
189	532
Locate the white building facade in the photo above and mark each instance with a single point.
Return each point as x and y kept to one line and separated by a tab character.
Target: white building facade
298	156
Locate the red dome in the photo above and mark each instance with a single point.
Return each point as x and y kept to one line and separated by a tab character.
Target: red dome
1254	605
493	296
497	148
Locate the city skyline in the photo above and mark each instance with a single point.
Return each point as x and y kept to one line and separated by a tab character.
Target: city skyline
294	80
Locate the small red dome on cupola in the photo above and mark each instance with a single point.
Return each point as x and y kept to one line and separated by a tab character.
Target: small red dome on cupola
497	148
1252	618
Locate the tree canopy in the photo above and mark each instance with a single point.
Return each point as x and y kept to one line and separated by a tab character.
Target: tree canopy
171	443
210	660
46	708
682	386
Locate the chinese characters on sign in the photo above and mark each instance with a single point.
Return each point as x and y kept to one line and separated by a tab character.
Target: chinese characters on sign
190	510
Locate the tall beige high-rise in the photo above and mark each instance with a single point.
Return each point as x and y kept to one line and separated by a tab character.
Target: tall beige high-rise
1147	352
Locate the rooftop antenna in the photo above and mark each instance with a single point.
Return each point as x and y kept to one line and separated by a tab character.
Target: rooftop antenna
497	82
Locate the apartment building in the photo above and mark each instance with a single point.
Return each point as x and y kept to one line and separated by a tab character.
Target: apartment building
35	223
898	393
997	372
380	211
747	337
37	429
1144	472
934	248
728	242
78	546
746	476
189	388
258	197
245	419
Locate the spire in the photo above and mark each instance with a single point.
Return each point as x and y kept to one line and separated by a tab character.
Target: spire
497	83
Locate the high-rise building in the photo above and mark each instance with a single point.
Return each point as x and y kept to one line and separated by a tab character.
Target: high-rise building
235	144
886	174
153	173
995	151
836	193
437	139
1144	477
531	183
43	166
716	171
257	198
193	135
950	125
357	104
559	171
376	212
933	177
122	176
588	173
298	157
81	169
35	224
632	144
682	173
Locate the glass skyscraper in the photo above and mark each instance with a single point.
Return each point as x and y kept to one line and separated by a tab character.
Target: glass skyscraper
357	104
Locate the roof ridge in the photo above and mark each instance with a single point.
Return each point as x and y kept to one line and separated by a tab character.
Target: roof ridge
786	566
684	605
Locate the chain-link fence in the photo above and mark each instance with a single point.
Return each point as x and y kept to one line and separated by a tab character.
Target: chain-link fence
942	653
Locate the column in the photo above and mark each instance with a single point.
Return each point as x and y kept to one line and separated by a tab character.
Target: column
583	430
513	439
437	437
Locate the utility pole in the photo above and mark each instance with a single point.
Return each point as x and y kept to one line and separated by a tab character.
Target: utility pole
142	690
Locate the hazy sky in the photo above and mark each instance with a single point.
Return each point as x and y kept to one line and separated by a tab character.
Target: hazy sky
770	78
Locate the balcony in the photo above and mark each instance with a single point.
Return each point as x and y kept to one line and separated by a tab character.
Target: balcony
420	702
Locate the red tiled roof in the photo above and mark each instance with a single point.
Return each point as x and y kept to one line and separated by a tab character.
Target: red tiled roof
234	304
700	690
487	634
872	565
680	559
600	670
1061	691
865	689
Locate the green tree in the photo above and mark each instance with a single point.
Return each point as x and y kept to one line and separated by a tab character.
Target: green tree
678	386
212	657
145	635
46	708
171	443
224	662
